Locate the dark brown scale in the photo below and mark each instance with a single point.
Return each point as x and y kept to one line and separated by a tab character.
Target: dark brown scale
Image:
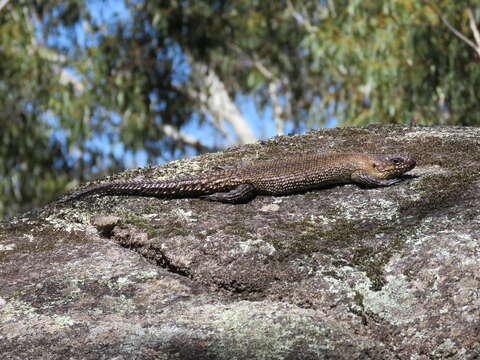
275	177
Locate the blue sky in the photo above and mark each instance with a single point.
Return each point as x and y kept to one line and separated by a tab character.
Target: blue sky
260	121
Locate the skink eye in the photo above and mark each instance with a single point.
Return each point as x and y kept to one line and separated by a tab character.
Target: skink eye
396	162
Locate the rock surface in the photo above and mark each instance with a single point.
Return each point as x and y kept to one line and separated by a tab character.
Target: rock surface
338	273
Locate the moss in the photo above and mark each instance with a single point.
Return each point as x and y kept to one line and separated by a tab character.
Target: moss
437	150
358	299
436	192
301	238
175	228
372	261
307	237
358	308
333	274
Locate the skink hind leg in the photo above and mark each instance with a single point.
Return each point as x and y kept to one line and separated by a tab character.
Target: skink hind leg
242	193
370	180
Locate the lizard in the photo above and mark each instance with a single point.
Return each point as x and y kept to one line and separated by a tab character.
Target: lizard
239	184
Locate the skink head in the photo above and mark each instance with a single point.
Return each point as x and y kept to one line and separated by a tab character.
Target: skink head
391	166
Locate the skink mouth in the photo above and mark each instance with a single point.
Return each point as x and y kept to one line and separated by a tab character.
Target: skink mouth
406	165
411	163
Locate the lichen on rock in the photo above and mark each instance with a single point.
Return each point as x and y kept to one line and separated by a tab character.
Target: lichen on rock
342	272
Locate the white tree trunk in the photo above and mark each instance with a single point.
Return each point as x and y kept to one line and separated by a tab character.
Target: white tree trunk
215	101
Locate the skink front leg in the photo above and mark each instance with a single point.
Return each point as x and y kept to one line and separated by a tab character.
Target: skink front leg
370	180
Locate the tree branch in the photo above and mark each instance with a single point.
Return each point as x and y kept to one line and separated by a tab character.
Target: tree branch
187	139
300	18
273	89
274	86
455	31
474	28
3	3
214	98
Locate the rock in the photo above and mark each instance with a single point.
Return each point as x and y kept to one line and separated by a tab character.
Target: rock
105	224
338	273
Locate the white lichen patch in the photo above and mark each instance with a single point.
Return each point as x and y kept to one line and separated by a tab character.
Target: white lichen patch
80	222
145	274
151	216
273	329
63	321
122	282
253	246
21	319
358	209
7	247
320	219
29	237
15	309
395	303
345	277
421	236
131	279
270	208
185	215
119	304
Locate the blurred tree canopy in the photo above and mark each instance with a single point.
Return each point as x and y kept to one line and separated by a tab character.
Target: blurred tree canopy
86	85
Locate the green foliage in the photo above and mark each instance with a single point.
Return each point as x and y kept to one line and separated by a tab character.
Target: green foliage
29	156
395	61
358	61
